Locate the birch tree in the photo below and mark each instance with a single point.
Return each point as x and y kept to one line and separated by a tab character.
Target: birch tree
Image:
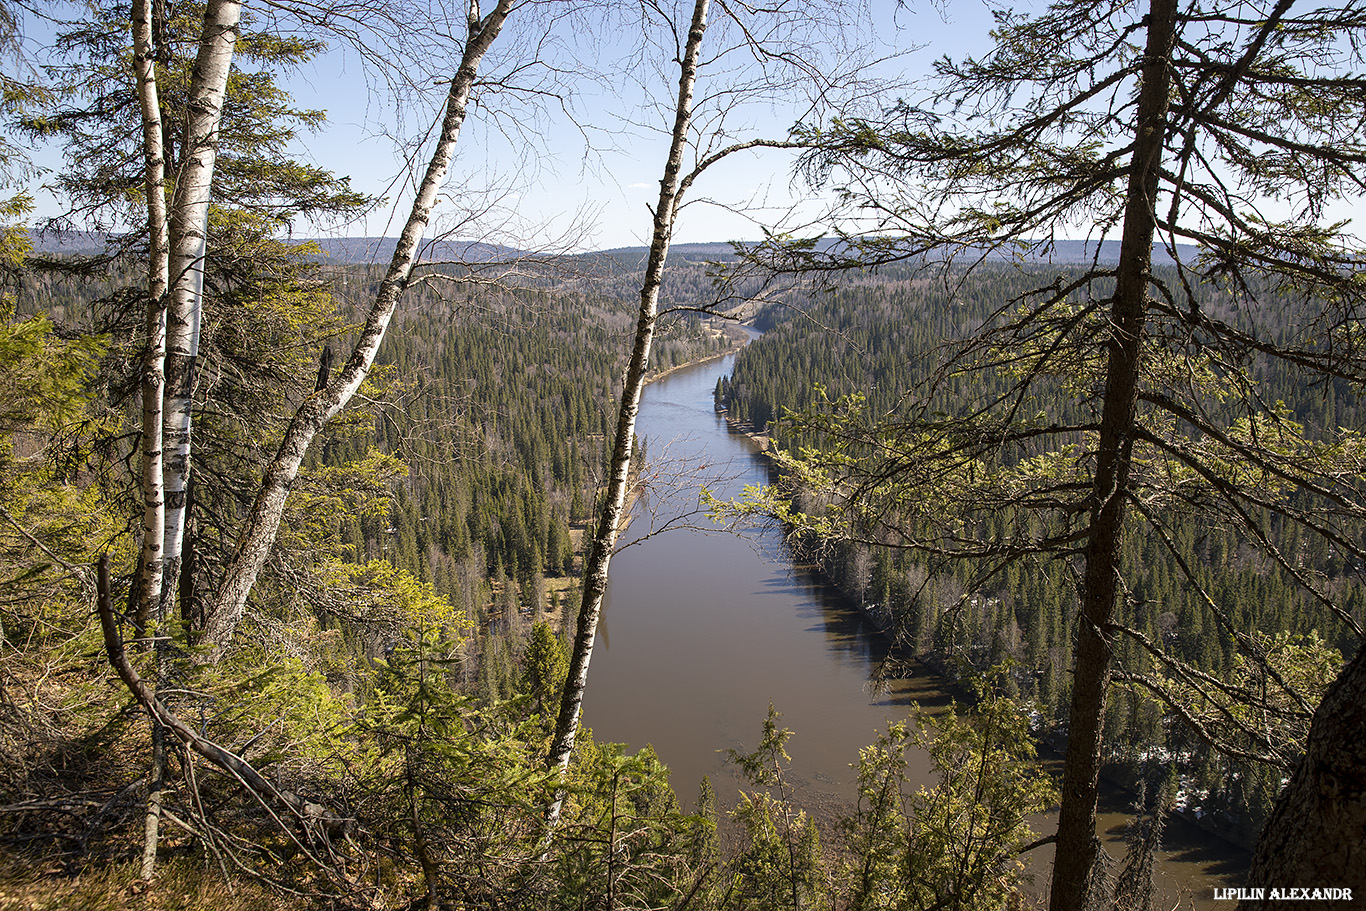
177	244
188	238
243	165
618	473
173	317
162	116
781	65
149	574
258	534
1223	136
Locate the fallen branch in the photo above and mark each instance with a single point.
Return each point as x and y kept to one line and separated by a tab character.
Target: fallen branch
308	814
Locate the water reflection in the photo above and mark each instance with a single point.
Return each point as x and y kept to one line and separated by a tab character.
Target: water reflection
708	628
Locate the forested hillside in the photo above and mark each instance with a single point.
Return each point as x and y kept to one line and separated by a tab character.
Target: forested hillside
287	544
483	442
290	544
397	669
881	343
428	554
501	410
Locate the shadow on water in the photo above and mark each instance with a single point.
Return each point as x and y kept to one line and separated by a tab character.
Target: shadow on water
708	630
1183	842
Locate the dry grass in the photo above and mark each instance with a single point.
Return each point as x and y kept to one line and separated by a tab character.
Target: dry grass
180	886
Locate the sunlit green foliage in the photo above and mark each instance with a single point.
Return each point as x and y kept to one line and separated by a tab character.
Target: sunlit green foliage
944	522
954	845
1259	708
544	666
457	788
54	518
780	863
624	842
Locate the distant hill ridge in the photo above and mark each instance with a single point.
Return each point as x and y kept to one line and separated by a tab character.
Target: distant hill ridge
359	250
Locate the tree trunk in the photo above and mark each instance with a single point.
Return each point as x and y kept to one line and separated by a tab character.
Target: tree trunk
151	824
1316	836
311	814
258	536
420	845
604	540
189	220
1077	845
149	574
149	578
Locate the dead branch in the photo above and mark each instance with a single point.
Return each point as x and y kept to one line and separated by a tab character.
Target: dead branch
311	816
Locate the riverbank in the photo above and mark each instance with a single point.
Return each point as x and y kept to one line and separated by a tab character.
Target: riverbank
579	533
747	429
628	510
698	362
707	630
1054	739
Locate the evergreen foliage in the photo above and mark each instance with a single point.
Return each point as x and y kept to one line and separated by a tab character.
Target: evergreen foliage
94	113
385	671
1217	136
954	845
971	448
866	353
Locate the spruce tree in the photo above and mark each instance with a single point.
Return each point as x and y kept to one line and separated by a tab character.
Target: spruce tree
1215	138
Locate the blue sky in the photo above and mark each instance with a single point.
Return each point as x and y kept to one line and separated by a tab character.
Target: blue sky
544	178
593	191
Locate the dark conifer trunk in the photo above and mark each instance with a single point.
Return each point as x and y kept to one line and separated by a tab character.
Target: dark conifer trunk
1077	845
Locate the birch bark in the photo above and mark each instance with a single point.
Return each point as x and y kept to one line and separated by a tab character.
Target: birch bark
604	539
257	537
189	216
149	575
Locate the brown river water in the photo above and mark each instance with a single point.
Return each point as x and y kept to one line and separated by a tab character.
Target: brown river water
703	629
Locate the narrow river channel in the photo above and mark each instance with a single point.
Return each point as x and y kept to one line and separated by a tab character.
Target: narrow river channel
703	629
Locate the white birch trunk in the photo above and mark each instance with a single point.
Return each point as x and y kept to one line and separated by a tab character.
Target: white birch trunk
258	536
149	575
604	541
189	218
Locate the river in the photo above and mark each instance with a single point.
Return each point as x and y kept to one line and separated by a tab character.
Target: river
702	629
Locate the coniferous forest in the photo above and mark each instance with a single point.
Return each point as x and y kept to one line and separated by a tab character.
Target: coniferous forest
873	345
304	543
